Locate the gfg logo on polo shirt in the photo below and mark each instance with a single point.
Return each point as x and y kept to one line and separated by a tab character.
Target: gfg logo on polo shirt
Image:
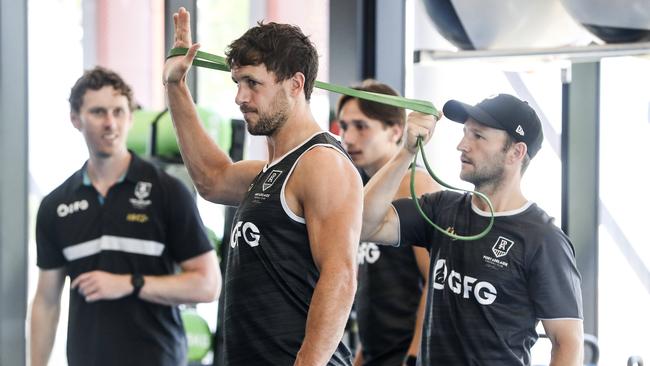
64	210
484	292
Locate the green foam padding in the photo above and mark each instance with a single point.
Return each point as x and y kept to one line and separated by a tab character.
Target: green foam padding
218	128
199	336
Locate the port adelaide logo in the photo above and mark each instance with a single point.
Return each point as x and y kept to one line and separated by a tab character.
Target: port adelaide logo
502	247
272	178
142	191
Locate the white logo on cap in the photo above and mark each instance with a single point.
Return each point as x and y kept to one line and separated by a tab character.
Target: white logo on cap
520	130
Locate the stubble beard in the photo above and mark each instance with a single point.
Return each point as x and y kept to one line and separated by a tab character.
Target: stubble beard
488	176
269	123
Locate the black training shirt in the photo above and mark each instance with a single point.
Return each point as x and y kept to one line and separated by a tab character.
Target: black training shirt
487	296
388	295
147	223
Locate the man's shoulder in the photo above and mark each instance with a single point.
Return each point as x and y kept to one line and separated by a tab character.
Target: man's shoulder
325	156
542	230
537	218
65	190
447	197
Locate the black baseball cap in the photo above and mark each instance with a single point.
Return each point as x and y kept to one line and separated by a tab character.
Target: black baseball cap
503	112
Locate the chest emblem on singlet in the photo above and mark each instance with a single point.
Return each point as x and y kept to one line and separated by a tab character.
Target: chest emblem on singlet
272	178
142	191
502	246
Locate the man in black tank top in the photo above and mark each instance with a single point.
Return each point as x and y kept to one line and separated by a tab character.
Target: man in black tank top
486	296
290	272
391	293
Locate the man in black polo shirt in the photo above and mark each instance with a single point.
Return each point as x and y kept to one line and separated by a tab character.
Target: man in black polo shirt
391	295
486	296
119	227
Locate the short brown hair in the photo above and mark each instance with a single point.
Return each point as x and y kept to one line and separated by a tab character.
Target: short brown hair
386	114
282	48
95	79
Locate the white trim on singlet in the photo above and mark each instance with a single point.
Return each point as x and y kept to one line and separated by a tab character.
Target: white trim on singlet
560	319
519	210
271	164
114	243
399	229
283	200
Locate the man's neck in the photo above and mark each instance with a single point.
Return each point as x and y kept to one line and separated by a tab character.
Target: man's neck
506	196
299	127
105	172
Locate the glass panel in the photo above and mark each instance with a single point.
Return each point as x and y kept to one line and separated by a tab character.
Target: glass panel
56	149
219	22
624	254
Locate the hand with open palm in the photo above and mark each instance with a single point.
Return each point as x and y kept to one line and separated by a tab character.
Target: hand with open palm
176	67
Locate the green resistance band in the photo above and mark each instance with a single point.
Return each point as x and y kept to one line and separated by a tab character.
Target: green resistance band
210	61
435	177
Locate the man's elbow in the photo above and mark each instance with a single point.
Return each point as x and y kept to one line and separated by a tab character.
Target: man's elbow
209	287
347	279
569	348
208	292
216	287
206	191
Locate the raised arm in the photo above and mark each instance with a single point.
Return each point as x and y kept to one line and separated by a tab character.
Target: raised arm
46	308
332	211
215	176
380	222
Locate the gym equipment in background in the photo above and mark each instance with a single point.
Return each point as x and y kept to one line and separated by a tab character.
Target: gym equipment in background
502	24
621	21
153	134
152	137
198	334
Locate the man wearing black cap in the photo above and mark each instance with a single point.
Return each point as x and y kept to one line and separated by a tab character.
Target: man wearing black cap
486	296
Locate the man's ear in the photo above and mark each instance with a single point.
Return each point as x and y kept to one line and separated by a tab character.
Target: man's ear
397	132
296	84
519	150
76	120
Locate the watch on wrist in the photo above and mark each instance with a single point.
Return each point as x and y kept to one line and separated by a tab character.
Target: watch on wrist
137	280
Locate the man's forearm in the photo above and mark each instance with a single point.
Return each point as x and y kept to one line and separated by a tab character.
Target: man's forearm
328	314
414	347
201	155
358	358
44	320
182	288
380	191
